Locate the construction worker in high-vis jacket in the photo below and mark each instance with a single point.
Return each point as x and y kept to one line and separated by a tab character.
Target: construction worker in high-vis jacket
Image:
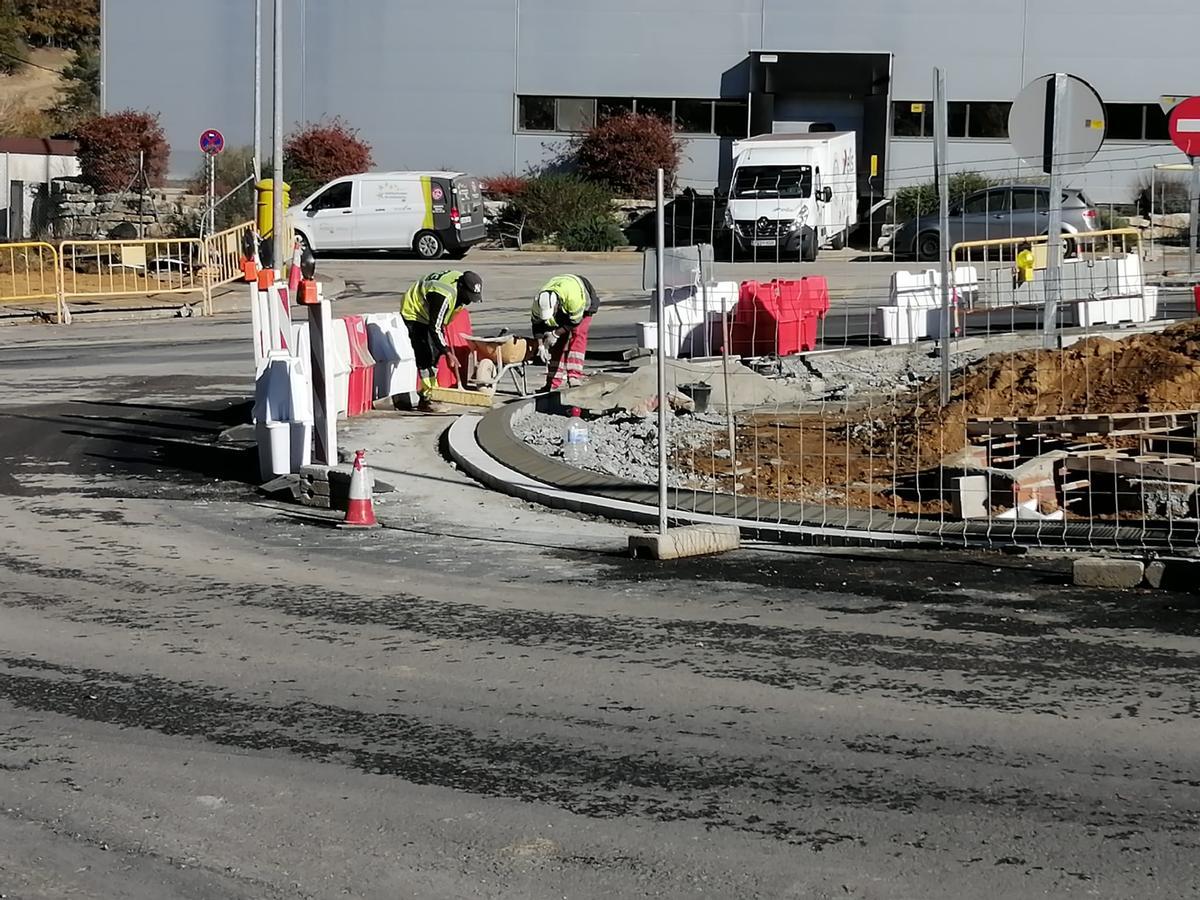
562	315
427	308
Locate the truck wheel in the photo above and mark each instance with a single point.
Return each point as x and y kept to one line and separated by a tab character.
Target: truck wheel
808	248
929	246
428	245
838	242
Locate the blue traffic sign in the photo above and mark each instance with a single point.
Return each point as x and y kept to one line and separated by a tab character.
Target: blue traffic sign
212	142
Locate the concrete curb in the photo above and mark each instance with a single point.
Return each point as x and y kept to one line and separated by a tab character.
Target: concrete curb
471	458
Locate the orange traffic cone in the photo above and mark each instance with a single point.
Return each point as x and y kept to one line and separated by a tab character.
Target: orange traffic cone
360	512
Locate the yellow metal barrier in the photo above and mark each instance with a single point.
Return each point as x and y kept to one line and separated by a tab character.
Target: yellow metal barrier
1091	243
1083	244
223	254
129	268
30	271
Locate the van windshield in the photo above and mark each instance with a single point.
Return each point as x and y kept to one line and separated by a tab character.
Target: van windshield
772	181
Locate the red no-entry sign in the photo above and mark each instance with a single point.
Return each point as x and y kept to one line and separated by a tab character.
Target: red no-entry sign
1184	125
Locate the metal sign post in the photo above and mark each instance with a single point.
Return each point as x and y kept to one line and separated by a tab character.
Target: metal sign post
278	228
1056	116
1056	124
212	143
941	132
660	308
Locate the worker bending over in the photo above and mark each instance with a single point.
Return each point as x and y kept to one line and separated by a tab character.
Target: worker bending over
427	309
562	315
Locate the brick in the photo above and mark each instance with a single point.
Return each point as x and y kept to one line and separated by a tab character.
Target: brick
691	540
1103	572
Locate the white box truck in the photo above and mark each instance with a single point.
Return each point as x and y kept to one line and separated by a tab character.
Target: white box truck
791	194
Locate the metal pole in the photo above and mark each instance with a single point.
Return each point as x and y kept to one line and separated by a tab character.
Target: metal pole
1195	160
1058	114
941	130
660	305
212	194
257	90
277	212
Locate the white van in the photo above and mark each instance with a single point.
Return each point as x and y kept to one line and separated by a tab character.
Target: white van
793	193
430	213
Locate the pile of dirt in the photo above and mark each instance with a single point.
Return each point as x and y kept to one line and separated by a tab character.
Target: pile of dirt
874	455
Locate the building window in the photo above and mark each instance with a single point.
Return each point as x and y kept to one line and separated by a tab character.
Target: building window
1135	122
987	120
571	115
1126	121
608	107
1156	123
535	113
575	114
656	106
731	118
912	118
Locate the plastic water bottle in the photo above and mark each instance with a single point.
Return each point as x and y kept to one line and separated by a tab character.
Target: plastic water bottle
575	445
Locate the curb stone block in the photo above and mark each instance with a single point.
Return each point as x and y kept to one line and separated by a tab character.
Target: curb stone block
1103	572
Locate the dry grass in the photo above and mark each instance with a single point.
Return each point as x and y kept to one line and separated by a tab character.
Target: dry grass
35	88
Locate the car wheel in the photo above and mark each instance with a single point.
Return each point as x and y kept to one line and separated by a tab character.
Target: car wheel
929	246
428	245
305	246
1070	249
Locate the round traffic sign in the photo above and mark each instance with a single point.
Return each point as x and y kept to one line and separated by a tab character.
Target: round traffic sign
1034	113
212	142
1184	126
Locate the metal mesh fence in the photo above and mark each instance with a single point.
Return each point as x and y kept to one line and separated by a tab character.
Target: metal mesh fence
809	393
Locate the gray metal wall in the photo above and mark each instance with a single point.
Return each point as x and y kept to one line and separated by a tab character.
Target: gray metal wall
433	84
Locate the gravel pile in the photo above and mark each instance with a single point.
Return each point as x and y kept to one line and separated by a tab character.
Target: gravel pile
625	445
878	370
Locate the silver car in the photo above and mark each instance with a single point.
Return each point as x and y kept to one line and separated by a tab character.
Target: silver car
1012	211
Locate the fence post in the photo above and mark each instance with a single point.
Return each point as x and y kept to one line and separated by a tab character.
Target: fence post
660	306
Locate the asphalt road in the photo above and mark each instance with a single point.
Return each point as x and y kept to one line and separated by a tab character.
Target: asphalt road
204	695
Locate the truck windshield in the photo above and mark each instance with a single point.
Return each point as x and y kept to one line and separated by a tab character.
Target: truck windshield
773	181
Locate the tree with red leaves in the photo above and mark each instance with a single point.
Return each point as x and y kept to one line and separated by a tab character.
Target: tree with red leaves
625	151
322	151
109	147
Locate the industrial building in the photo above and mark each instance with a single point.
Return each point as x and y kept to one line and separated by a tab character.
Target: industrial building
493	86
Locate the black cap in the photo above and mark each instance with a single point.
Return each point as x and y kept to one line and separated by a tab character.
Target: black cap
470	288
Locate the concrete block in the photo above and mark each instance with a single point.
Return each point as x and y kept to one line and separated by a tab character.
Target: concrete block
679	543
970	497
1174	574
1102	572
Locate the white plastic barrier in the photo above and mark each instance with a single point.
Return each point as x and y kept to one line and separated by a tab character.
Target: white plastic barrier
694	318
915	308
395	362
283	419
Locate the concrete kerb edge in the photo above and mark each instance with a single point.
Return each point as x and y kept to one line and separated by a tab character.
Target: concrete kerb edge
472	459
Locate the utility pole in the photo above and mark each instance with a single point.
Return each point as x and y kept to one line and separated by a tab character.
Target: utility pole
257	90
277	224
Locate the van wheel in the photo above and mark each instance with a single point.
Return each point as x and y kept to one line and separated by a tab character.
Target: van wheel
808	248
428	245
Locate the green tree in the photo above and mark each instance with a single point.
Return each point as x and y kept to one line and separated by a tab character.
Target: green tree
59	23
12	39
80	97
